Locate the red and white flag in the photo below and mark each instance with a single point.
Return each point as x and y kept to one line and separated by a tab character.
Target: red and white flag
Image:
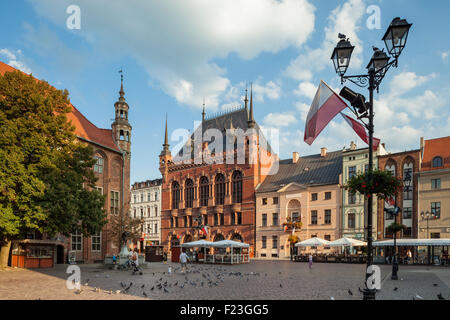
325	106
361	131
205	230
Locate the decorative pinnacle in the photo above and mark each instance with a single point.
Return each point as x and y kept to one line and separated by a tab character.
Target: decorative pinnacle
251	121
166	140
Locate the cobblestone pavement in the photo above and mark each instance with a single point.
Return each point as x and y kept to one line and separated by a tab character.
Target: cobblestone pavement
259	280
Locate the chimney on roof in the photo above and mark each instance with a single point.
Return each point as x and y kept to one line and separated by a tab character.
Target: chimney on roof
323	152
295	157
352	145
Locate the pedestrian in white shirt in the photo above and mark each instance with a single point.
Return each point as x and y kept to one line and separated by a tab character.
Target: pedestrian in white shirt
183	260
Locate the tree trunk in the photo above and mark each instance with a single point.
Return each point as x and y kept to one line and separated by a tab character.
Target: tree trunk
4	254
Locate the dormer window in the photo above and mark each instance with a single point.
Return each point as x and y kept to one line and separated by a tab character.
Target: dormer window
437	162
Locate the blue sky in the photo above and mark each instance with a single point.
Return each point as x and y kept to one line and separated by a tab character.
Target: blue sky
175	53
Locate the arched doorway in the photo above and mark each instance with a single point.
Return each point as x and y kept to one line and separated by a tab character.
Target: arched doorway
187	238
218	237
174	241
237	237
175	248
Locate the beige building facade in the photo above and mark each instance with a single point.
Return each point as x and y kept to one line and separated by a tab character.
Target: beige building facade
305	189
434	189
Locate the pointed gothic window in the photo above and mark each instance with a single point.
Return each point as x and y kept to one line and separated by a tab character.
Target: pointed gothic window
237	187
175	194
189	193
220	189
204	191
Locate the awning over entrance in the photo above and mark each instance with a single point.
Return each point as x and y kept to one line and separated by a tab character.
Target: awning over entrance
413	242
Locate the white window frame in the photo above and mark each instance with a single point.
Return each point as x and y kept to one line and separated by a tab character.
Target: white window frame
118	201
76	235
98	235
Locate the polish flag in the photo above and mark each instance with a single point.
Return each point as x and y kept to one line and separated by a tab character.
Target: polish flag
361	131
325	106
390	201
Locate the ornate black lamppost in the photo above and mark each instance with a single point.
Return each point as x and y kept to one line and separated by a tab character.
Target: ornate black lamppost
395	40
428	216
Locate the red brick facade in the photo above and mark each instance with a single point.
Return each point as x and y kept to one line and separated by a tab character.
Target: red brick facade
398	161
242	213
113	146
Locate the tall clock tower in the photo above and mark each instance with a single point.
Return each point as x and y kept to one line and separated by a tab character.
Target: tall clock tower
121	128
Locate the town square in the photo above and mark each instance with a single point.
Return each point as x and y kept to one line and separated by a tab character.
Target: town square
194	151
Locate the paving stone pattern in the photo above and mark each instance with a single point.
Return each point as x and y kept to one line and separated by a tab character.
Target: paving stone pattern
258	280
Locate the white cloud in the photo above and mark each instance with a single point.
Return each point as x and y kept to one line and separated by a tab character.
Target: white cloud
406	81
343	19
445	55
270	90
306	89
279	119
303	108
177	41
14	60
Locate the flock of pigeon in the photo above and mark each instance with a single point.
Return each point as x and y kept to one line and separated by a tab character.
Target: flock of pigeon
200	277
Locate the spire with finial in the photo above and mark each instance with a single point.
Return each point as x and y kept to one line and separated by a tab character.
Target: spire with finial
166	140
203	112
251	121
121	92
246	99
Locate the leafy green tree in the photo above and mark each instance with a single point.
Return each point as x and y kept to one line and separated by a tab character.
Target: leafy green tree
42	165
121	222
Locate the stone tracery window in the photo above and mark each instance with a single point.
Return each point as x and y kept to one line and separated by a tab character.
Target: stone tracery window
237	187
220	189
175	194
189	193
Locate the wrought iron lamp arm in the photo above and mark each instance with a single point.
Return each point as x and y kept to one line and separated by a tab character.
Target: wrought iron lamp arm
363	80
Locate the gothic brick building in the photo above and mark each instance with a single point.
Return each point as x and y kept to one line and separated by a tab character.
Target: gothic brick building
220	193
112	149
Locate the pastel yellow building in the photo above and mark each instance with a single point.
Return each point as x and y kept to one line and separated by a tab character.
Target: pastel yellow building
305	189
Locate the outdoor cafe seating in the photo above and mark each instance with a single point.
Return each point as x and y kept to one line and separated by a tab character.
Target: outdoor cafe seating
220	252
332	257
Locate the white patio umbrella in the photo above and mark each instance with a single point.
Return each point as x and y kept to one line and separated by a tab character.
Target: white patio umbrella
199	243
313	242
229	244
345	242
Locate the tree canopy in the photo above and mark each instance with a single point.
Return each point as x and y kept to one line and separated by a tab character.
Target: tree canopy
46	181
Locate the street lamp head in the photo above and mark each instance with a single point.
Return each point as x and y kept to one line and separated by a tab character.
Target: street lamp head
379	60
396	36
341	55
407	180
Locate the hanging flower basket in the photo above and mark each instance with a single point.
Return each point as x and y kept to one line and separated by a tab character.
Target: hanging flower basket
289	225
293	239
380	183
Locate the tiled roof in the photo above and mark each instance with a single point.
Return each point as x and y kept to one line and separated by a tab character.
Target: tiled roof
146	184
83	127
308	171
236	119
434	148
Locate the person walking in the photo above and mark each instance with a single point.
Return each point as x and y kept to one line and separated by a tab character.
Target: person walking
409	255
310	260
183	260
